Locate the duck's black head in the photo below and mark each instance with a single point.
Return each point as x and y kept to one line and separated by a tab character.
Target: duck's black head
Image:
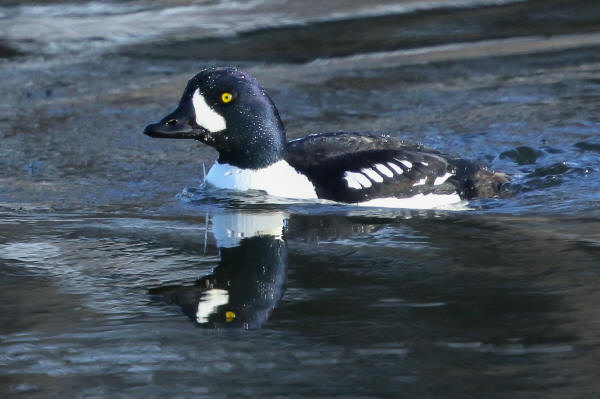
228	110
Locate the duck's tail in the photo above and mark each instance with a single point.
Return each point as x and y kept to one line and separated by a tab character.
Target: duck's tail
488	183
476	180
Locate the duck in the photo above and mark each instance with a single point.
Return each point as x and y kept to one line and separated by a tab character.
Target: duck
227	109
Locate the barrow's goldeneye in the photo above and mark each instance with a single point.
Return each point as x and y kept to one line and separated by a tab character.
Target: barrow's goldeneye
227	109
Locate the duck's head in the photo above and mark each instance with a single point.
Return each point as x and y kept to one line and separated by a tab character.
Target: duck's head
228	110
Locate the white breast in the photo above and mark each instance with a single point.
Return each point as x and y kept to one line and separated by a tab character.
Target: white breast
279	179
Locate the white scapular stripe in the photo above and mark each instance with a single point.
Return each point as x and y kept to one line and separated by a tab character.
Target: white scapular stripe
384	169
351	181
357	180
278	179
372	174
209	302
207	117
396	168
405	163
442	179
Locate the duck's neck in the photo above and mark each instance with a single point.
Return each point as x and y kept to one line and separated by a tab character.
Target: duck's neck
254	142
253	156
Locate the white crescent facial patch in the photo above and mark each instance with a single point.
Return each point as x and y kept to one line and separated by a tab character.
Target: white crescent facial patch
207	117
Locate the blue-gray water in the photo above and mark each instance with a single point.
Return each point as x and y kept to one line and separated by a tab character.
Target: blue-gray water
115	262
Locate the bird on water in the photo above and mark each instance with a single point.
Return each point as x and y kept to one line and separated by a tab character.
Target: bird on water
228	110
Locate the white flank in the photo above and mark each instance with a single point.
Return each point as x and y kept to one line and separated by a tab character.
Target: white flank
282	180
384	169
279	179
396	168
372	174
207	117
419	201
209	302
442	179
230	228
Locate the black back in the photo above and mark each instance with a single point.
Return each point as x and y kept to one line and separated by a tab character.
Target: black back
325	158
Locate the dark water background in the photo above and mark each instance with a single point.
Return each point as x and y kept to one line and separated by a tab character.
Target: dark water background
108	243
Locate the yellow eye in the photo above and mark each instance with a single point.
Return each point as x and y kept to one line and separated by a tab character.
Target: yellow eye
229	316
226	97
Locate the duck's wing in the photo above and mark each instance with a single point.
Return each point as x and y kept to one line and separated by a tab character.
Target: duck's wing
348	167
351	167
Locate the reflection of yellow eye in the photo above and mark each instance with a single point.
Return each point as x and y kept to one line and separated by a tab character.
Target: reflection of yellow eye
229	315
226	97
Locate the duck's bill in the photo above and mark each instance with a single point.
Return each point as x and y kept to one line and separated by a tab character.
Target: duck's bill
158	131
179	124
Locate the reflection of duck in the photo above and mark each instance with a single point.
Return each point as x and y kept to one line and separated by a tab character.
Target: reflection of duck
247	283
228	110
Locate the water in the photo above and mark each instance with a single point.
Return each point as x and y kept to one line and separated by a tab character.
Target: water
123	277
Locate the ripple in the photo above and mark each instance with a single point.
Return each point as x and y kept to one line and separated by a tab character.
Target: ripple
522	155
588	146
510	349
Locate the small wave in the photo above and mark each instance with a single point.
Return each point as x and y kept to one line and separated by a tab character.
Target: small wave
95	26
409	7
457	51
522	155
588	146
93	8
514	349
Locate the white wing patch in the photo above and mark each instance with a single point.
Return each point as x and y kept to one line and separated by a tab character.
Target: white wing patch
384	170
442	179
396	168
207	117
357	181
372	174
